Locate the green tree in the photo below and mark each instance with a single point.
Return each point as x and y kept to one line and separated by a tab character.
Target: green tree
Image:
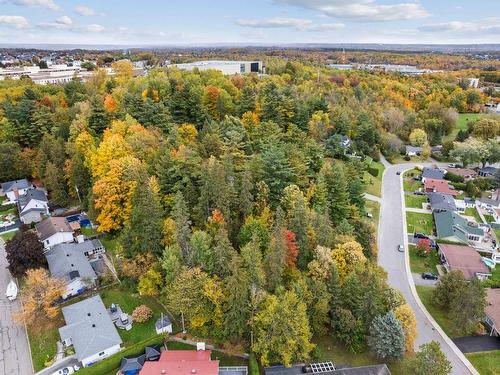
428	360
337	193
281	330
55	184
180	214
387	338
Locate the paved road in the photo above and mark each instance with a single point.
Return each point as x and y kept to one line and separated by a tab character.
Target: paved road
65	362
391	234
15	358
417	279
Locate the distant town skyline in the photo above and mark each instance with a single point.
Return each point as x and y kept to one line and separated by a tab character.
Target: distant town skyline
256	22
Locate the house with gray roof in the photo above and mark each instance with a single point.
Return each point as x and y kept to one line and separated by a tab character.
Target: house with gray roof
381	369
14	189
487	171
451	226
433	173
33	206
69	263
90	331
441	202
413	150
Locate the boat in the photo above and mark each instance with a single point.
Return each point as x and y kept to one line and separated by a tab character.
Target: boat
11	292
489	262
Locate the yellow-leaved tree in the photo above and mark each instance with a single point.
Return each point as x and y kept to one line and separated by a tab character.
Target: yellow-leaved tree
406	316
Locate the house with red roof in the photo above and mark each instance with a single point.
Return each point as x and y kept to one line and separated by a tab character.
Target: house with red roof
182	362
432	185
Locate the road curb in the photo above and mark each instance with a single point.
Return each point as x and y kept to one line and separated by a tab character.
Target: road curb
436	326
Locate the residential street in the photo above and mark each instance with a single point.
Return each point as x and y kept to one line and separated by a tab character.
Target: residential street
391	234
15	358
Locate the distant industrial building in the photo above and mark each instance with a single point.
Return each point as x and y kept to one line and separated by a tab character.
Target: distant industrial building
226	67
387	68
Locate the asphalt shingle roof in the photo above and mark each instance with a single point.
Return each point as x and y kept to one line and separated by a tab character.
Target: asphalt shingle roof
297	370
63	259
51	226
434	173
19	184
449	224
441	201
89	326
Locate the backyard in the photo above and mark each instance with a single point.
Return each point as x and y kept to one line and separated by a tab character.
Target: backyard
374	183
420	264
472	212
415	201
463	118
419	223
331	349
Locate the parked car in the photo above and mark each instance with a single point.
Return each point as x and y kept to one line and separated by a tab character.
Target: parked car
65	371
369	215
420	235
400	248
398	173
429	276
418	192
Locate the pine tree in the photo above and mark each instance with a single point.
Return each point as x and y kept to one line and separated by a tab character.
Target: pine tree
387	338
99	119
247	101
54	182
252	261
338	195
180	214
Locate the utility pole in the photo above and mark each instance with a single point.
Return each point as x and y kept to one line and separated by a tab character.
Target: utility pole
183	327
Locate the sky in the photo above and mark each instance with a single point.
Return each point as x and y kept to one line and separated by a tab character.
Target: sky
192	22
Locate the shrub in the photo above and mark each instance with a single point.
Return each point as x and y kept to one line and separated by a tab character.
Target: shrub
142	314
253	365
407	158
453	177
373	171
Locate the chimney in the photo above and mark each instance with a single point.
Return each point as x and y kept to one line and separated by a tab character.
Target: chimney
200	346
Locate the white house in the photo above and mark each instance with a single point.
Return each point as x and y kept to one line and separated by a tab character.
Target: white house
90	331
14	189
163	325
53	231
33	206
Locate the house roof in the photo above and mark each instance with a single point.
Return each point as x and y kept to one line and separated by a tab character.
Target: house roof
414	149
491	202
488	170
51	226
439	186
465	259
450	224
492	309
441	201
464	172
162	324
363	370
64	260
182	362
89	326
31	194
434	173
132	363
19	184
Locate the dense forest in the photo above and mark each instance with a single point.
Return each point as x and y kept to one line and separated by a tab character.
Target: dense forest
232	198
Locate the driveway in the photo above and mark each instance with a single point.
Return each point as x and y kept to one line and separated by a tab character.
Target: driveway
15	357
472	344
65	362
417	279
392	232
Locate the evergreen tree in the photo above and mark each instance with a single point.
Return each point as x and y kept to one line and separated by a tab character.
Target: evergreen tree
387	338
247	101
143	232
252	261
180	215
99	119
338	195
55	184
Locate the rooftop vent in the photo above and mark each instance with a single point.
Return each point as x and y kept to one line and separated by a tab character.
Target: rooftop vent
193	371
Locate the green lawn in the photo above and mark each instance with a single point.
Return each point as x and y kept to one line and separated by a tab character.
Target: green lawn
331	349
489	218
463	118
418	222
373	208
409	184
128	300
473	213
88	231
225	360
43	340
440	316
7	236
423	264
487	363
374	184
415	201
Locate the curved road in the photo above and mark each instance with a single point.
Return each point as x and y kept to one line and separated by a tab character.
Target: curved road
392	232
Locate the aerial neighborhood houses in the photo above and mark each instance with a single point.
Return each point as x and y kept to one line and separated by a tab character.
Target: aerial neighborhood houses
53	231
14	189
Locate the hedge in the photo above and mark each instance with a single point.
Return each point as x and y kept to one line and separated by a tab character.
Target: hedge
373	171
112	363
253	365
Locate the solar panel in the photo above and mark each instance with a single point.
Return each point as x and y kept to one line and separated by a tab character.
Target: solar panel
318	368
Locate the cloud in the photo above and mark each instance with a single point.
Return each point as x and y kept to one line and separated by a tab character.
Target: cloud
63	22
49	4
94	28
15	22
486	25
361	10
288	23
85	11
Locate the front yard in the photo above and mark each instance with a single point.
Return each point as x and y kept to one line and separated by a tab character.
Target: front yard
7	236
415	201
419	222
487	363
409	184
43	338
420	264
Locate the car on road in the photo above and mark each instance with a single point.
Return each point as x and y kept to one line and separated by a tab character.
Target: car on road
429	276
398	173
400	248
66	370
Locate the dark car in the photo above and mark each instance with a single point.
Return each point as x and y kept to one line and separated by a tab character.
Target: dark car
429	276
420	235
398	173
